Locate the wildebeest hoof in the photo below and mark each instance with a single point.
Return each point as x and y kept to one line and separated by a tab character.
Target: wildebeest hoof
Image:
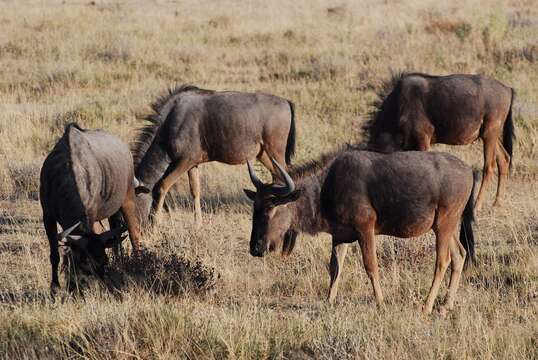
54	289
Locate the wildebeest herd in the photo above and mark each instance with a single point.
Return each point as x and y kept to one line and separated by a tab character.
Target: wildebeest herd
388	184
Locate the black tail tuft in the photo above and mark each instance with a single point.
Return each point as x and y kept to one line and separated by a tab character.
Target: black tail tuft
467	219
508	130
290	145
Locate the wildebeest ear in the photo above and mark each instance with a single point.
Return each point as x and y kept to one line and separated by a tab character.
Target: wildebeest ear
250	194
141	189
288	198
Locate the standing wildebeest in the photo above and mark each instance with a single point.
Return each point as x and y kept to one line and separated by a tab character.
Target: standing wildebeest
354	195
88	177
193	126
417	110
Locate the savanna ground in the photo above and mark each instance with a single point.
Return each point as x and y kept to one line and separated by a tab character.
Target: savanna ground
102	63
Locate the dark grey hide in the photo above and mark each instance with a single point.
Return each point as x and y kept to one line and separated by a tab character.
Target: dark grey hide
354	195
193	126
415	111
88	177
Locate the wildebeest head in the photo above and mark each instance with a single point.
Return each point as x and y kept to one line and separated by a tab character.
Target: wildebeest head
85	254
272	218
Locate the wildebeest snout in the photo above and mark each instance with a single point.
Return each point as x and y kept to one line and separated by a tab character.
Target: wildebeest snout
257	247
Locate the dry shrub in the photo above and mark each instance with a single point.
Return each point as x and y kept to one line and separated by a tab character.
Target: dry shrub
58	76
257	39
511	56
6	185
337	12
503	281
314	70
120	50
521	19
11	48
219	22
25	180
405	252
461	29
169	274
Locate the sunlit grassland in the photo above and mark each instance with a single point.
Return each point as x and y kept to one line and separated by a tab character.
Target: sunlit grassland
101	65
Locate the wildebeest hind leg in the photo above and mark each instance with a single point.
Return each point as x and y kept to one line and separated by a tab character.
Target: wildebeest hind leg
194	182
335	267
502	167
490	144
444	232
457	258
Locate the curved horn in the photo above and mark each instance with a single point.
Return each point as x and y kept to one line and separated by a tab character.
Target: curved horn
290	185
255	180
66	232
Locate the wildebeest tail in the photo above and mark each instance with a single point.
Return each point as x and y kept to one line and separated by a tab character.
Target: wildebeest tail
508	130
467	219
290	145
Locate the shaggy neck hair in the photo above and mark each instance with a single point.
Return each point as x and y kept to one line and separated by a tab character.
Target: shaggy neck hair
309	178
160	110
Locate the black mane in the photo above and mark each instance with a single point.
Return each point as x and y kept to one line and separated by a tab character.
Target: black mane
160	109
385	107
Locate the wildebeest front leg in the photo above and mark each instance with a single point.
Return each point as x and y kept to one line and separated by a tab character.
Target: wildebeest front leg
52	231
338	256
172	174
114	222
444	232
128	209
194	182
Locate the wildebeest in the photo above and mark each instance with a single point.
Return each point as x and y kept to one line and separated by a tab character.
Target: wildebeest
416	110
355	195
191	126
88	177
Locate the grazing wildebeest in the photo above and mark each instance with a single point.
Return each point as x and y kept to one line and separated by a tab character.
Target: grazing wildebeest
415	111
88	177
354	195
191	126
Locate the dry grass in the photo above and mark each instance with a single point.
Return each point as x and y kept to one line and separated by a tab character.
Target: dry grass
101	63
